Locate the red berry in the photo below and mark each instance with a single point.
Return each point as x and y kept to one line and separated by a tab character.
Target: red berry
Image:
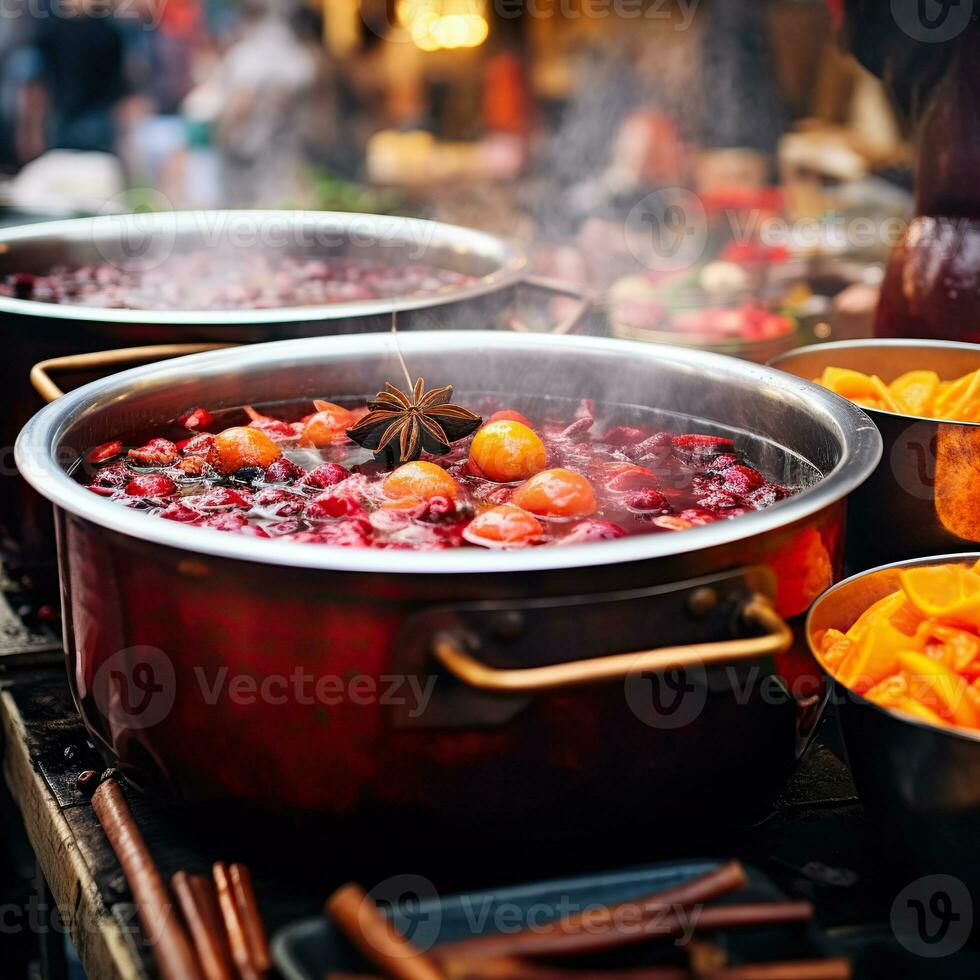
224	497
697	516
633	479
181	513
114	475
741	479
229	521
202	447
157	452
592	530
195	419
279	503
275	429
105	452
151	485
721	463
353	533
699	446
623	435
647	500
717	503
283	470
326	475
765	496
330	504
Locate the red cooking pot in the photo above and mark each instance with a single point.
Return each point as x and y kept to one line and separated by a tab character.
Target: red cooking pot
545	691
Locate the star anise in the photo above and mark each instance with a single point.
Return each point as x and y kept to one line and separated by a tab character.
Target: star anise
400	426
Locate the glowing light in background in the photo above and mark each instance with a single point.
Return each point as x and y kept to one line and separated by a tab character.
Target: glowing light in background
444	24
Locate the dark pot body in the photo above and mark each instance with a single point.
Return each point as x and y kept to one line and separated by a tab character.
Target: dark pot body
159	628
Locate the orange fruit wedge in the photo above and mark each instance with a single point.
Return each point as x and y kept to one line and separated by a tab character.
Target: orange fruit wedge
916	390
949	593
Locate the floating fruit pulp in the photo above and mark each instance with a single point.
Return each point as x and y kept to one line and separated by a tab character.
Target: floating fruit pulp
916	650
608	478
920	393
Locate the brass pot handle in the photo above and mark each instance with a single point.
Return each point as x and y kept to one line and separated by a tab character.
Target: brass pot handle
758	611
543	285
49	391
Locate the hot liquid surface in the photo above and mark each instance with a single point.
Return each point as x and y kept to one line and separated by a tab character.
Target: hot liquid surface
648	474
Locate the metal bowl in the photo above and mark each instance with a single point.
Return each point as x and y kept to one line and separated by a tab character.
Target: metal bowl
32	331
503	743
924	497
919	783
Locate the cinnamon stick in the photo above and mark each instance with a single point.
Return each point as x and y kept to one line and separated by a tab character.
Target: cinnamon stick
827	969
376	939
197	901
615	933
171	945
248	910
516	969
611	922
235	927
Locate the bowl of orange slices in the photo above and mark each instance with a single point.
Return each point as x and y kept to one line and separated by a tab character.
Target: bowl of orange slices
901	644
924	397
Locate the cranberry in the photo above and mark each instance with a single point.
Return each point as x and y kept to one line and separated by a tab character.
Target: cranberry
352	533
194	466
326	475
700	446
151	485
105	452
280	503
741	479
330	504
157	452
697	516
196	418
765	496
440	508
592	530
283	470
623	435
721	463
226	522
224	497
275	429
633	479
648	500
203	447
253	531
114	475
577	427
181	513
656	445
717	502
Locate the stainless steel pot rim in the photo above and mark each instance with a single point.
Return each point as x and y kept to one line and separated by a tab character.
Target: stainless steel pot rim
954	731
860	441
511	261
894	342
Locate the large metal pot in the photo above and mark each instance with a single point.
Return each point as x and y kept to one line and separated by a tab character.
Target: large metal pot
542	663
32	331
919	783
924	497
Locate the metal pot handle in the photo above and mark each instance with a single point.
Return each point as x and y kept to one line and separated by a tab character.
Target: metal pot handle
557	287
757	611
49	391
